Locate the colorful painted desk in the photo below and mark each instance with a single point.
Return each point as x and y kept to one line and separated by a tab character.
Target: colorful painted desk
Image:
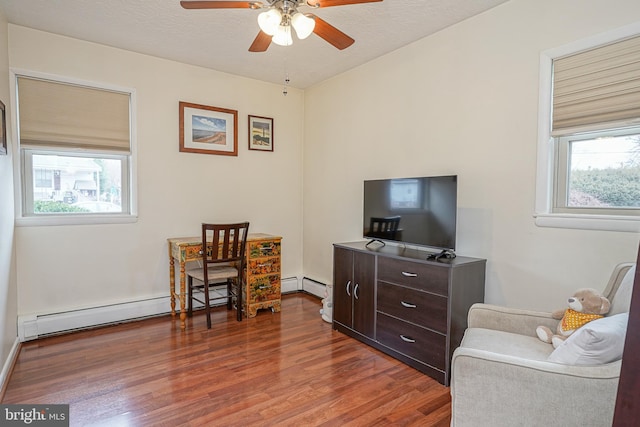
262	281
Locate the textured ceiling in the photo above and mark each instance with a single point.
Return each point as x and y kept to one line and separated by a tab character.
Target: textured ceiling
219	39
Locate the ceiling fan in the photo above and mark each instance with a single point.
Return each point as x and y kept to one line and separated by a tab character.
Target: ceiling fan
281	15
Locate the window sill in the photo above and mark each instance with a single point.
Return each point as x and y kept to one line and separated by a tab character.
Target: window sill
588	222
75	220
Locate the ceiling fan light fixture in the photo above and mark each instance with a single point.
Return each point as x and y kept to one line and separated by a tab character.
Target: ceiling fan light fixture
282	36
303	25
269	21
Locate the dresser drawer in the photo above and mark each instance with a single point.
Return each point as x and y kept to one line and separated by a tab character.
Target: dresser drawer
263	248
414	275
421	308
265	288
416	342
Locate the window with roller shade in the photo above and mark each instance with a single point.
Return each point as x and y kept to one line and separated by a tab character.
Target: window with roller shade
593	133
75	148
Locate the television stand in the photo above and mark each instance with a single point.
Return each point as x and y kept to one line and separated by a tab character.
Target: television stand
445	253
410	308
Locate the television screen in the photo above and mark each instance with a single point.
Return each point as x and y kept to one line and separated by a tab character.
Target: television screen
418	211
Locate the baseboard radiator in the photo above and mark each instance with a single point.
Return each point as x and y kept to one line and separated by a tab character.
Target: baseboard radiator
314	287
34	326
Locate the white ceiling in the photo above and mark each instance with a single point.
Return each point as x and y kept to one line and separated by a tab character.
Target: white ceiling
220	39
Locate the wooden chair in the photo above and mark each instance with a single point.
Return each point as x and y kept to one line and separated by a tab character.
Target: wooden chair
384	228
223	262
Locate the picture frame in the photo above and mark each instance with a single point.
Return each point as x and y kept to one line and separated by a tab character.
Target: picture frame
260	133
208	130
3	131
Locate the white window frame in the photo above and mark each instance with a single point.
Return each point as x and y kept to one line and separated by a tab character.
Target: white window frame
23	172
547	146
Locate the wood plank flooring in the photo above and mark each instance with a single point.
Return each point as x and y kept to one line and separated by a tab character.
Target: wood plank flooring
277	369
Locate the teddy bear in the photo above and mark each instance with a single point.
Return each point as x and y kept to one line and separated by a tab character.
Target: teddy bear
584	306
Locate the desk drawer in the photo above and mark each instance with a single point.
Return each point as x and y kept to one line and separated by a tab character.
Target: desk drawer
264	248
416	342
265	288
264	266
421	308
193	252
415	275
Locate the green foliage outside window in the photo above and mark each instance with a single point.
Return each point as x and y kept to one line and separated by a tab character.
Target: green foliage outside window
612	187
46	206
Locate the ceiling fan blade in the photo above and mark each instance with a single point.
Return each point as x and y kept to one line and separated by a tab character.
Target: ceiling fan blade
261	42
221	4
330	3
331	34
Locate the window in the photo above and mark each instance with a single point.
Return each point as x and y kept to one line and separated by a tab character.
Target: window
589	136
75	152
405	194
598	173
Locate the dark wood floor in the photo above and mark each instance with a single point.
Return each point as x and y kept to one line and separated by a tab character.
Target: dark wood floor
284	369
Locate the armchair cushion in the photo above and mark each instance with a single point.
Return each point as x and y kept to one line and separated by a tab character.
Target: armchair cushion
597	342
507	343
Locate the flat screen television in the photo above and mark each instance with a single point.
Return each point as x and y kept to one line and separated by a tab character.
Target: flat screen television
417	211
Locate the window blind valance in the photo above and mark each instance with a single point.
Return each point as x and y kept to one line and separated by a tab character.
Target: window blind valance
63	115
596	87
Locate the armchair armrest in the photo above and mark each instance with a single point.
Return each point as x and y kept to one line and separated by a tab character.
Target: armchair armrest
523	322
490	389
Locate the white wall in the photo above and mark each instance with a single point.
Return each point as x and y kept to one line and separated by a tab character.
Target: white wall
463	101
67	267
8	293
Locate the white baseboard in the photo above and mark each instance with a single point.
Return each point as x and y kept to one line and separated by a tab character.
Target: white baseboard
8	364
314	287
35	326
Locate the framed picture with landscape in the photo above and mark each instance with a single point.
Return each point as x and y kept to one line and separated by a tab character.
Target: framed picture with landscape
208	130
260	133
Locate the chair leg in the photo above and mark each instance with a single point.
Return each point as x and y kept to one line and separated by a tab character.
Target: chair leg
190	298
207	306
239	299
229	293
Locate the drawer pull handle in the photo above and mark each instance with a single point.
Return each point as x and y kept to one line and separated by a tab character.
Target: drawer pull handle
407	305
263	287
355	291
349	288
406	274
407	339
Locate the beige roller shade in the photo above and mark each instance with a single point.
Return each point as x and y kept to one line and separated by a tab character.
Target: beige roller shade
63	115
596	87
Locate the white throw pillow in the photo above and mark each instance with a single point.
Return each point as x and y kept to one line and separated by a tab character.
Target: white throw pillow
599	341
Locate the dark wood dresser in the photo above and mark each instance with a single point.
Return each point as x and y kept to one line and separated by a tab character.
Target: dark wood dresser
414	309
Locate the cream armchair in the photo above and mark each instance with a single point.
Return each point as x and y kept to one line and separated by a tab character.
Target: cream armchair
501	375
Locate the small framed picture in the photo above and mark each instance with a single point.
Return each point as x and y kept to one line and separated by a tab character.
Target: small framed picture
260	133
208	130
3	131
